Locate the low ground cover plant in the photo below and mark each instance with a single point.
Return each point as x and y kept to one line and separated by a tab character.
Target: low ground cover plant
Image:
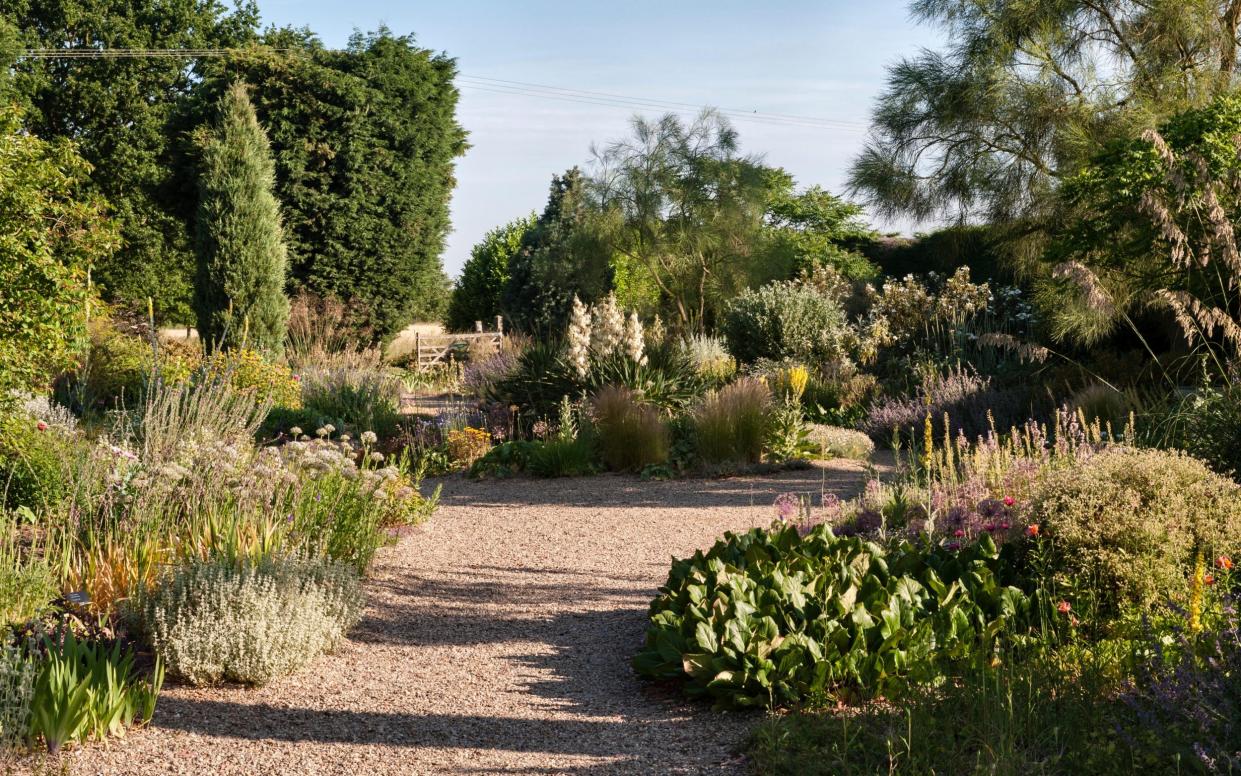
248	621
773	617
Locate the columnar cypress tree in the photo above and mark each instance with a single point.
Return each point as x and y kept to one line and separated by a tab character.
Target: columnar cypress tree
242	260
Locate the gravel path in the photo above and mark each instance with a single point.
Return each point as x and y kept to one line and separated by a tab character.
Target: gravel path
497	640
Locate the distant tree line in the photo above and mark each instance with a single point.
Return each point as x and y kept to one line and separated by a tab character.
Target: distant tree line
362	144
674	220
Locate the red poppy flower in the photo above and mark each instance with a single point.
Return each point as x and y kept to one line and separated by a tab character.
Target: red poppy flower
1032	529
1209	579
41	426
1223	562
1009	501
958	533
1063	607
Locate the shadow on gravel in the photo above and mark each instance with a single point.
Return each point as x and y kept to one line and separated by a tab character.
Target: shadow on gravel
628	491
582	673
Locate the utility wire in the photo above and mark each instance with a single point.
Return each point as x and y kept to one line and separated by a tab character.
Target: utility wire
484	84
838	123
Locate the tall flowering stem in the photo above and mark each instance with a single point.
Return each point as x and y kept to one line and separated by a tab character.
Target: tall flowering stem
579	337
609	327
635	343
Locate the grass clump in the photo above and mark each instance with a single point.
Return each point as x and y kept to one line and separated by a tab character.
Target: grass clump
731	424
632	434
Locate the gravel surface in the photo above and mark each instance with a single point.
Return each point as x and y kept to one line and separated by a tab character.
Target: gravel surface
497	640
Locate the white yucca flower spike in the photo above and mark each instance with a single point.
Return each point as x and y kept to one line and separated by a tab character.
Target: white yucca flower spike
609	331
635	343
579	337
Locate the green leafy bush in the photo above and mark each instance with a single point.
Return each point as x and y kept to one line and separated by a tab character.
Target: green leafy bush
84	690
54	229
32	469
504	460
731	424
632	435
213	621
771	617
1124	528
561	458
785	321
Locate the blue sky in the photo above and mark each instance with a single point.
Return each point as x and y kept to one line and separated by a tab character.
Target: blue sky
823	60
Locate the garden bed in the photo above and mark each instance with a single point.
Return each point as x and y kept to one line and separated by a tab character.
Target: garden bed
497	638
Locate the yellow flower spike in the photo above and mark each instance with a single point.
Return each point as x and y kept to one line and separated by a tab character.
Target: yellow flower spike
1195	593
928	443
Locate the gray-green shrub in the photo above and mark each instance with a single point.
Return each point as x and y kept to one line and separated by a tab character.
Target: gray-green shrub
786	321
1129	524
17	674
247	622
730	425
836	442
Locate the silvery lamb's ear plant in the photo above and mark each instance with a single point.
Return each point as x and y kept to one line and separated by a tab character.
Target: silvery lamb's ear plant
249	622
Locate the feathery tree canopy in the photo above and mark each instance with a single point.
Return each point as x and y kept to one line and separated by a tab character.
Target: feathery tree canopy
242	262
477	294
1027	91
118	113
681	202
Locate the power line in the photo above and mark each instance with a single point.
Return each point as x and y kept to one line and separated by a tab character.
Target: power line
635	105
485	84
835	123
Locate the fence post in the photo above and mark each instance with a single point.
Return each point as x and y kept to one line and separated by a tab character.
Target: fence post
478	326
417	351
500	325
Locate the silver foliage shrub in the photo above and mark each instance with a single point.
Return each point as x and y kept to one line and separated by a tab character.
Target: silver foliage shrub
17	672
214	621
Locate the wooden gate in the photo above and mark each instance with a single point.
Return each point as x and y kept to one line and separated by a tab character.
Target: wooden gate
432	349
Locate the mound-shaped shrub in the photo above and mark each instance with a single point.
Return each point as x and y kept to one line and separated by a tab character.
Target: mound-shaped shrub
1126	527
771	617
214	621
836	442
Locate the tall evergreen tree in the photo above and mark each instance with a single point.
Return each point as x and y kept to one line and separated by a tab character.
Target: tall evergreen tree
242	260
364	141
561	256
118	113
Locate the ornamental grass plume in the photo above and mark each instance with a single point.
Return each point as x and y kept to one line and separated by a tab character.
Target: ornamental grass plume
579	337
